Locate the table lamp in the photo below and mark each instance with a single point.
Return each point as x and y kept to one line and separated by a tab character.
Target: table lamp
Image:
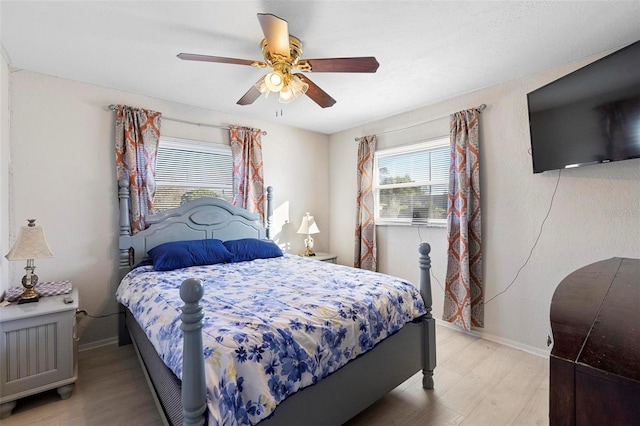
31	244
308	226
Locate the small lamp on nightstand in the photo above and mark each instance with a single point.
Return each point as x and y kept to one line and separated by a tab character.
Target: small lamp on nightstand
308	226
31	244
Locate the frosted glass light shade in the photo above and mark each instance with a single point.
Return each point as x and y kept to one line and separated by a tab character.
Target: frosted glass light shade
298	86
262	87
293	89
274	81
286	95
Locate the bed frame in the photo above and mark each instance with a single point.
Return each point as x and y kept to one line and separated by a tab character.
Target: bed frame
333	400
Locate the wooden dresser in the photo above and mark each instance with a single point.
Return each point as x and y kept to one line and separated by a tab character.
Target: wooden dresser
595	361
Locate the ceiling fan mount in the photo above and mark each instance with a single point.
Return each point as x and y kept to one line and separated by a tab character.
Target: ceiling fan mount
295	52
282	52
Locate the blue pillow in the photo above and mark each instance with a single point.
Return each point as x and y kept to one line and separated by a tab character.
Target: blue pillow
252	248
181	254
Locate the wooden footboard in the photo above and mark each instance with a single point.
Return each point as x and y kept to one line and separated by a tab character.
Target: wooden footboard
194	387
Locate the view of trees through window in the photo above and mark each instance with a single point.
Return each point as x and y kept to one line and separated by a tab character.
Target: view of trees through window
168	197
413	202
412	185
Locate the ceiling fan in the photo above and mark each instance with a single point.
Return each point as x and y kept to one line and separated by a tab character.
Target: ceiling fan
282	53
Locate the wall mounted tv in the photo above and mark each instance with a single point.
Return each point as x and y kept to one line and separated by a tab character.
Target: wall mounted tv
590	116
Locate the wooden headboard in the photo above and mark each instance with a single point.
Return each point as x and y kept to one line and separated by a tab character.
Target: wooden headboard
202	218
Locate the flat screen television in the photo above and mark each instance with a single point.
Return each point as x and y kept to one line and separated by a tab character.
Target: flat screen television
589	116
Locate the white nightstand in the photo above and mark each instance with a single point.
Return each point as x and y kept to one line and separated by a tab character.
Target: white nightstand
38	349
324	257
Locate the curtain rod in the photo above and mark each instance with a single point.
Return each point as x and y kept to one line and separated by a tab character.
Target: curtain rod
480	109
115	107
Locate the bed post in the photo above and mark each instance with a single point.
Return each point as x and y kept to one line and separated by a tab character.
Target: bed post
429	327
125	224
269	218
124	262
194	388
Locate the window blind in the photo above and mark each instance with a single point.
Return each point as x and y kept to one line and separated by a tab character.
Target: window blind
412	183
186	170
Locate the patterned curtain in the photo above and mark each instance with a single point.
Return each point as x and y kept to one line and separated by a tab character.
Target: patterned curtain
464	299
248	180
137	134
365	256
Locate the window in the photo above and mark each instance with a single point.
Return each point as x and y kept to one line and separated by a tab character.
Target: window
186	170
411	183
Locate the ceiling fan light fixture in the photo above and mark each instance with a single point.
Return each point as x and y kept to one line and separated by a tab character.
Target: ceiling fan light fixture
274	81
297	85
287	95
262	88
294	87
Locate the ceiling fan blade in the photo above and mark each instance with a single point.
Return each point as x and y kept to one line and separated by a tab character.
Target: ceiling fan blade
252	94
220	59
316	94
362	64
276	32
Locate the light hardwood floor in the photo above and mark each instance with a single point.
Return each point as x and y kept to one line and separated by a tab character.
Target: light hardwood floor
477	382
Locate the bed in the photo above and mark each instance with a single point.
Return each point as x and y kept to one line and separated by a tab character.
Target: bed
194	371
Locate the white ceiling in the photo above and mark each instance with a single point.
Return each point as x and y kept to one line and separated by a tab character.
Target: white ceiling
428	51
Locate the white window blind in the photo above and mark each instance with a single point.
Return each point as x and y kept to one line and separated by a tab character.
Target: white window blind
411	183
187	169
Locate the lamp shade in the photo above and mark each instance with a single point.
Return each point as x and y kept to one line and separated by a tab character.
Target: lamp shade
31	243
308	225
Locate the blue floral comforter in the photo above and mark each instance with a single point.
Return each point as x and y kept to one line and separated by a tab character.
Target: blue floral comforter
271	327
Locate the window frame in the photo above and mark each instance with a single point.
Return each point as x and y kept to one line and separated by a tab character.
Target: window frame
420	146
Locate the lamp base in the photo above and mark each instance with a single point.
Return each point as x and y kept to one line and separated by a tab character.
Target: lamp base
308	244
29	282
28	300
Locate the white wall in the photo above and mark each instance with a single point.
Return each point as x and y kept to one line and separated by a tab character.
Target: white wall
5	77
595	214
62	153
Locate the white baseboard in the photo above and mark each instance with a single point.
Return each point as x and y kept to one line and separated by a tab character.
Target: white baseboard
97	344
503	341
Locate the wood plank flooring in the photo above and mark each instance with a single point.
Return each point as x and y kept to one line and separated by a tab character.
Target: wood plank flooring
111	390
478	383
